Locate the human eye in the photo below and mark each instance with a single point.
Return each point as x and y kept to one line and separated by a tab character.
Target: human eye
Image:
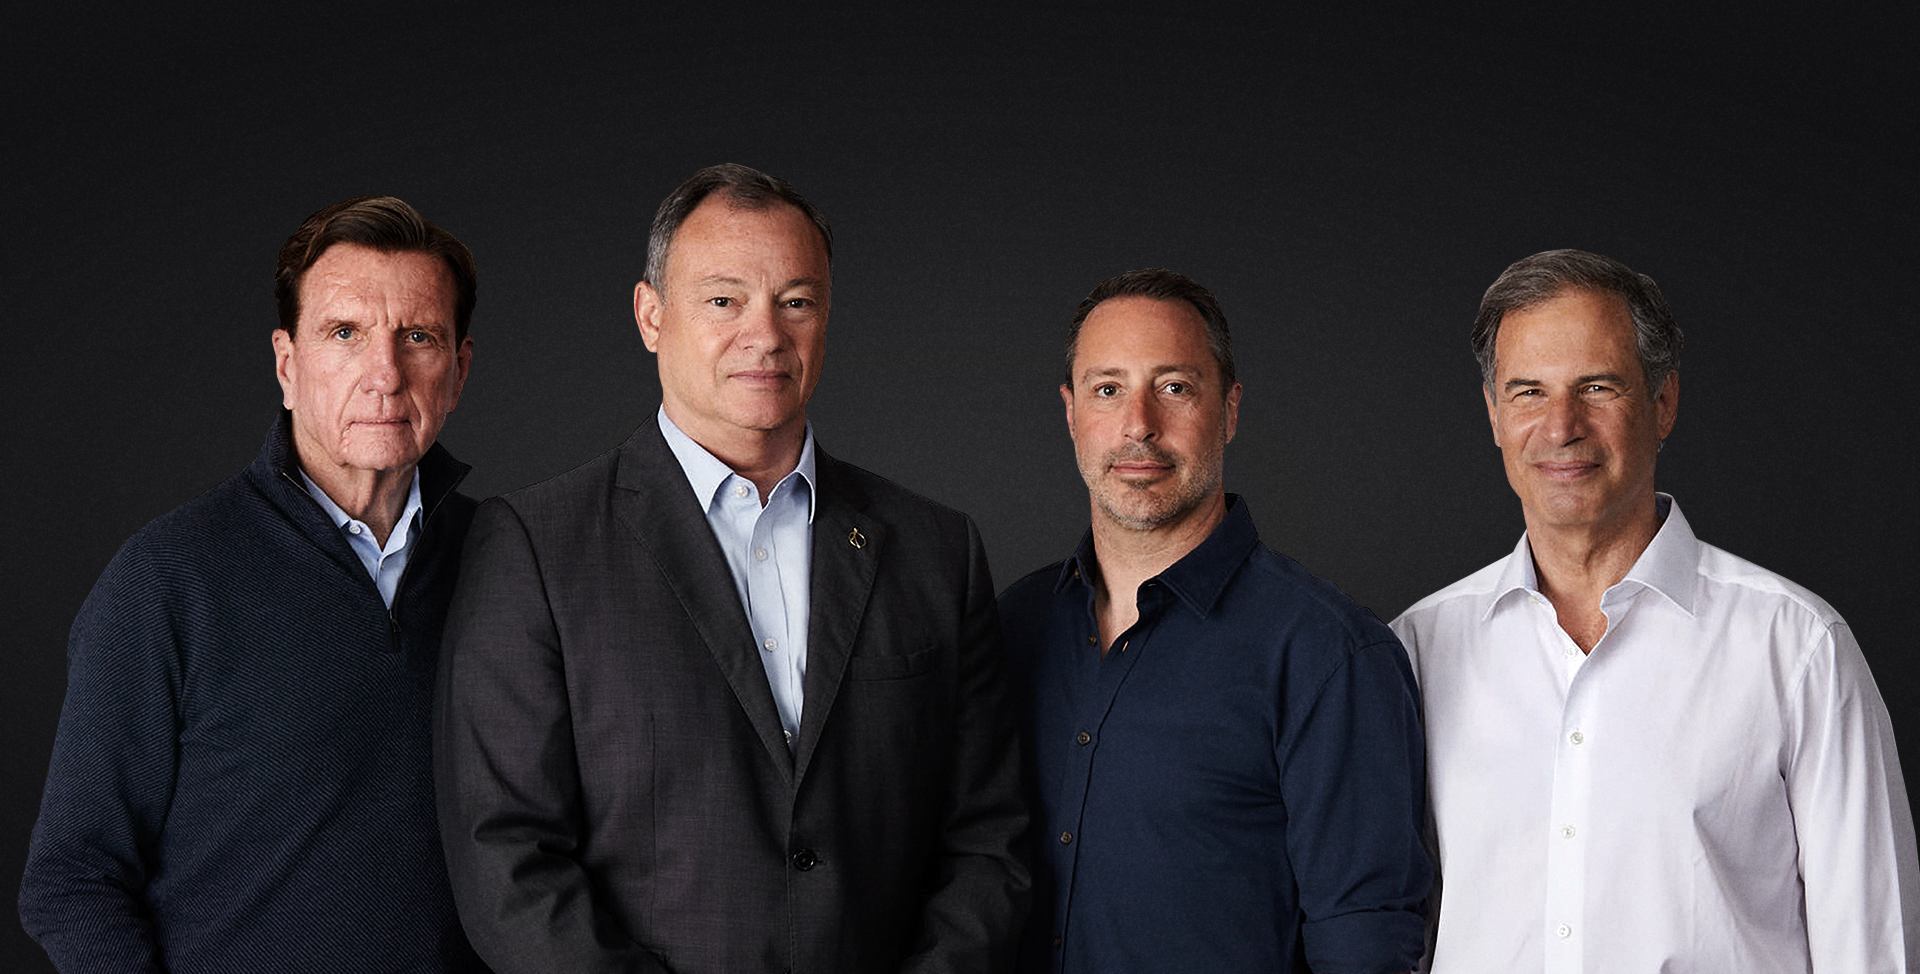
341	333
1106	390
720	302
1178	387
799	302
419	336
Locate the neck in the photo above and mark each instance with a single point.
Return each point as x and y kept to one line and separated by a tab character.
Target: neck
761	456
1127	557
375	497
1576	564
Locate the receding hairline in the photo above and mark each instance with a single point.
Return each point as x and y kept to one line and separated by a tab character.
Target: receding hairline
753	204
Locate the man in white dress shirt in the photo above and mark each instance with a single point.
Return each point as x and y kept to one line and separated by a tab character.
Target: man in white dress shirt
1645	754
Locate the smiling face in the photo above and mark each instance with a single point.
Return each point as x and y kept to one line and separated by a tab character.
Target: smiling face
740	321
1576	424
374	367
1149	421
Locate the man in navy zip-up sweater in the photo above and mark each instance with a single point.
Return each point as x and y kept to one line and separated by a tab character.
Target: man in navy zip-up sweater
241	780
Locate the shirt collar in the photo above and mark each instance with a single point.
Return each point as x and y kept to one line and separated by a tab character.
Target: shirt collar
402	529
1200	575
1669	565
706	472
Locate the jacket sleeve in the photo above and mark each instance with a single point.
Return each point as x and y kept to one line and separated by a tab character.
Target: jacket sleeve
972	919
505	774
1850	816
110	780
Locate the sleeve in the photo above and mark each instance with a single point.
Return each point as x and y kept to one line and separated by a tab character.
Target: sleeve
505	773
1354	778
972	919
110	780
1409	634
1850	817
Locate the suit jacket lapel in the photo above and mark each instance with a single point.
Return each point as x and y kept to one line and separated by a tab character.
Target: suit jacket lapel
652	499
847	548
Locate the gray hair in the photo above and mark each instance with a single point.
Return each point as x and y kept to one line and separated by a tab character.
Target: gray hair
1164	285
1544	276
745	187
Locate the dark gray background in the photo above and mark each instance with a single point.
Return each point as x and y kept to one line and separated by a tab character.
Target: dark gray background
1347	184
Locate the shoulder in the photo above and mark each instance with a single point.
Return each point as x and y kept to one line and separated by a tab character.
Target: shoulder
889	503
1290	598
1031	596
1728	576
1468	595
565	496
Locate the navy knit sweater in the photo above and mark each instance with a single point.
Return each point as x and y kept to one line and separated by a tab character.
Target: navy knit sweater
242	778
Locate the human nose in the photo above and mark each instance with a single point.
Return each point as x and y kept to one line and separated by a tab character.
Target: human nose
1141	417
381	373
1567	419
760	328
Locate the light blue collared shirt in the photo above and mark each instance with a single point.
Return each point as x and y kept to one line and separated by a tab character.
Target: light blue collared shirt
770	553
386	564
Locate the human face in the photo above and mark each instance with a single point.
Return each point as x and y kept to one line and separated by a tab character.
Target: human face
1149	421
1576	424
740	323
373	368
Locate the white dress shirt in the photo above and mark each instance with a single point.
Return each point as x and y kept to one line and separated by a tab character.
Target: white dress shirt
384	563
769	550
1714	789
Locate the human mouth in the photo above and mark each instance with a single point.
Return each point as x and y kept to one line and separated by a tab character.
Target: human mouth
1566	469
1140	464
760	377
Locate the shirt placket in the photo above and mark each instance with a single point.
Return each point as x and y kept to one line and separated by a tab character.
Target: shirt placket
1567	840
767	606
1099	678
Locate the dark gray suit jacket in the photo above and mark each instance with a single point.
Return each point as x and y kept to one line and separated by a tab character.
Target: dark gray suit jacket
614	790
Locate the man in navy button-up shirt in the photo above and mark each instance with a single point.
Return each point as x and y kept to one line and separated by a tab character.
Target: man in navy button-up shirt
1225	750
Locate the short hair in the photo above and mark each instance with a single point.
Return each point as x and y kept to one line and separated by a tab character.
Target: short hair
1164	285
385	224
1535	280
745	187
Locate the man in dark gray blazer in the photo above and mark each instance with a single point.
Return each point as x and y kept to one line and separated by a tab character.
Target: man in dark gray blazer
715	701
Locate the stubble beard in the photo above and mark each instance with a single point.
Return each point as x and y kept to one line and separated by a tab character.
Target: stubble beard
1136	507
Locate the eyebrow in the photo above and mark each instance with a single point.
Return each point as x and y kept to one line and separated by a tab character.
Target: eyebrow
1114	371
738	282
1519	383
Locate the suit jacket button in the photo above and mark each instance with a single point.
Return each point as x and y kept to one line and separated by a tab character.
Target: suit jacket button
804	859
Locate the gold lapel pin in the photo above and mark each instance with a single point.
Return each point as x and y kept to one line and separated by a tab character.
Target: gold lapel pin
856	539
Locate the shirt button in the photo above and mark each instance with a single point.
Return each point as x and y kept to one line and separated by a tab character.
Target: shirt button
1083	737
1576	737
740	490
804	859
1563	931
1566	831
1066	838
787	735
353	527
759	554
771	644
1572	651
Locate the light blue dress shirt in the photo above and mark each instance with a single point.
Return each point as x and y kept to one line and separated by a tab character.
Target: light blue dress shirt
770	553
384	564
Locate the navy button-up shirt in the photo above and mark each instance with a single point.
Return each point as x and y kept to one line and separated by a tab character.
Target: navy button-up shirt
1237	785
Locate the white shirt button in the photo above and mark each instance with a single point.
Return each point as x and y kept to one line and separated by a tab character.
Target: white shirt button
788	735
1572	650
739	490
1563	931
1566	831
1576	737
771	644
759	554
353	527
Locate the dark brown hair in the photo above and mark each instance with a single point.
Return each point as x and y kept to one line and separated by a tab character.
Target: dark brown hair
385	224
1166	285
